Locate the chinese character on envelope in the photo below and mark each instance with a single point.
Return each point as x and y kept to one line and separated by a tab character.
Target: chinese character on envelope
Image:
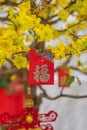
41	67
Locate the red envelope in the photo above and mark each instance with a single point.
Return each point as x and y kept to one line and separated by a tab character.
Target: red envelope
63	75
41	67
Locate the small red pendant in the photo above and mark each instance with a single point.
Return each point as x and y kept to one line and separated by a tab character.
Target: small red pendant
63	75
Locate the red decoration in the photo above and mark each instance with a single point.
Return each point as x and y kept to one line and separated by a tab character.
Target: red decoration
63	75
50	117
47	127
41	67
28	118
12	104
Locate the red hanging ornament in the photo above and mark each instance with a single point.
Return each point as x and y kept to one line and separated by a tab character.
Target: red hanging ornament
14	102
63	75
28	119
41	67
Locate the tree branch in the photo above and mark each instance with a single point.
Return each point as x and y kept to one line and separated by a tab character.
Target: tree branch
45	95
8	2
4	18
82	20
77	69
49	1
8	72
65	63
53	16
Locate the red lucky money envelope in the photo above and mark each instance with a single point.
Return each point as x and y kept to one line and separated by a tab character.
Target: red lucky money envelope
41	67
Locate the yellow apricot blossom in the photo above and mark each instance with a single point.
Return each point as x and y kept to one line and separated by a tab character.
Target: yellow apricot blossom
25	6
20	61
76	49
63	14
2	60
79	64
63	3
44	32
58	51
38	20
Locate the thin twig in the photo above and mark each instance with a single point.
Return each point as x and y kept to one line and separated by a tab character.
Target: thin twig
9	61
64	64
45	95
62	90
49	1
10	3
59	19
82	20
77	69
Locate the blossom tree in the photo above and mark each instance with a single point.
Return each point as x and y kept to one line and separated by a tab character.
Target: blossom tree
31	24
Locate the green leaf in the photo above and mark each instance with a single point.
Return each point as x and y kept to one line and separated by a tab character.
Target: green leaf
79	82
70	31
30	31
4	82
14	15
69	80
